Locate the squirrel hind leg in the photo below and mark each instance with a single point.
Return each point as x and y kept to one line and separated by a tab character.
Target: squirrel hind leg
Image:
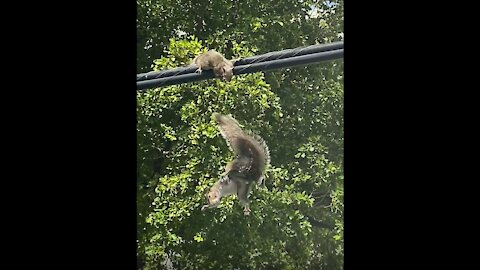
242	195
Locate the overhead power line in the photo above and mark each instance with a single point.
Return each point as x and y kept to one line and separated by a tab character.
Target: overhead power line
269	61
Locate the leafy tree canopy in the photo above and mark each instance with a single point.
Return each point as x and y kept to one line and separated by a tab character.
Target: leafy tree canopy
297	219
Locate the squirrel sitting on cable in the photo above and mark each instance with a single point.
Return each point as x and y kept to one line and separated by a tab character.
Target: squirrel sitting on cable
248	167
222	68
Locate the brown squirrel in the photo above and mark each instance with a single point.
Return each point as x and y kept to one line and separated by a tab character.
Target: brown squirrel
222	67
251	159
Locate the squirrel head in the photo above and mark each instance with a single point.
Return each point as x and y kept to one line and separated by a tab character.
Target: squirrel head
213	198
225	72
221	188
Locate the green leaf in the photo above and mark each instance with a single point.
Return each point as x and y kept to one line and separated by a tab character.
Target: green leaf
198	238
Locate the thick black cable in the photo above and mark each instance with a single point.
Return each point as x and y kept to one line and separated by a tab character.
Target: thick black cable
248	68
248	60
290	53
289	62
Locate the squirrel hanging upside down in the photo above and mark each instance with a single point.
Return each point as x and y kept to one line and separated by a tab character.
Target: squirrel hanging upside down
248	167
222	67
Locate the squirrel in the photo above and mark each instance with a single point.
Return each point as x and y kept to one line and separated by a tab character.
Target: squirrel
222	67
248	167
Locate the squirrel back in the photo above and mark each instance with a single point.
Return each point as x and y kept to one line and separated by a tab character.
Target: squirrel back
222	67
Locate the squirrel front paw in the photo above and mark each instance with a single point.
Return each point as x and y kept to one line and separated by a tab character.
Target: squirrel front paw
247	211
199	70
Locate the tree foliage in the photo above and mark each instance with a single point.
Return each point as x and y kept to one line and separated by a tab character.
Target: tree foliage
297	219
